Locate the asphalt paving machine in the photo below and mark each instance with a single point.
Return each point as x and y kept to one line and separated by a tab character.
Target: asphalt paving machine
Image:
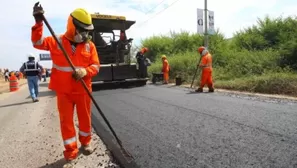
114	51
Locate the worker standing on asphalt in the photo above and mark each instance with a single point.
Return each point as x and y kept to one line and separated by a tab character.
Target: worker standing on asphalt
70	92
206	65
31	69
165	69
141	60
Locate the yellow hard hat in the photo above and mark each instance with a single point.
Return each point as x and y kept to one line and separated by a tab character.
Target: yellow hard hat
82	19
163	56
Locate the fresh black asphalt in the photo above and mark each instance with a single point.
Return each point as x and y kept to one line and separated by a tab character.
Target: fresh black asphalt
167	127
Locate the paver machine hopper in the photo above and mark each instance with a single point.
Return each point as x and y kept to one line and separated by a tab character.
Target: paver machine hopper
114	51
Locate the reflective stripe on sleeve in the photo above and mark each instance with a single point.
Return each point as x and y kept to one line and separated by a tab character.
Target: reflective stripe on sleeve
95	66
38	42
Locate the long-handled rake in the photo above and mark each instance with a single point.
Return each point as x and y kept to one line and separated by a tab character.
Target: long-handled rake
124	151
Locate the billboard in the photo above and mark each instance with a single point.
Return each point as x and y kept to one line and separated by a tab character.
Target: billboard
211	29
45	57
200	22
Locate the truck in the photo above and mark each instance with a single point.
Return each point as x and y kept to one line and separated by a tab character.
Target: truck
114	51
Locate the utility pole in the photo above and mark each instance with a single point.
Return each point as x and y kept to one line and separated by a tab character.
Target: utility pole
205	24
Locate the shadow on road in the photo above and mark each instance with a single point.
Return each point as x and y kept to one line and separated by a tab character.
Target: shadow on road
164	85
113	86
15	104
45	94
45	84
156	84
192	92
58	164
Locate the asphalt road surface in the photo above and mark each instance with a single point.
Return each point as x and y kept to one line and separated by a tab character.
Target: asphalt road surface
166	127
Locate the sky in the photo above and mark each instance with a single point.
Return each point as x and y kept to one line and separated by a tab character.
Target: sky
152	18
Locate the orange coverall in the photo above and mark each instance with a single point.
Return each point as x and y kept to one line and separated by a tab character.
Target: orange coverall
165	70
206	76
69	91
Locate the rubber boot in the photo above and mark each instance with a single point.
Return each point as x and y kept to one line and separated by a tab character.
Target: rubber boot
199	90
70	163
211	90
87	149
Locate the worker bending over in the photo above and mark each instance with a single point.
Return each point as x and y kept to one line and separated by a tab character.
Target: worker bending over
206	66
32	69
165	69
70	92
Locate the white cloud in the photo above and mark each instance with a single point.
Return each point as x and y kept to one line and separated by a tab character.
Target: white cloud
17	21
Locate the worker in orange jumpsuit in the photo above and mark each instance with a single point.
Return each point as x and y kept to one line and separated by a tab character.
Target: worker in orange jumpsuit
165	69
70	92
206	65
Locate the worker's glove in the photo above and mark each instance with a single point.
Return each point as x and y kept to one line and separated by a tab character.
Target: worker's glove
38	12
79	73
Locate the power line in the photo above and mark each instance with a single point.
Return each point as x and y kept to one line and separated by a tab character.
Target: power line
154	7
159	12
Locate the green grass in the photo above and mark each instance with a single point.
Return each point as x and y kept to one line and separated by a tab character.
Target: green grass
255	71
261	58
272	83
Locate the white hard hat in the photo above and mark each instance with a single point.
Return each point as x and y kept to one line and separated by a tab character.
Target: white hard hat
30	55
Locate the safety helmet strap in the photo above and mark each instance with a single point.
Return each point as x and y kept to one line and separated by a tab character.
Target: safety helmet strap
79	26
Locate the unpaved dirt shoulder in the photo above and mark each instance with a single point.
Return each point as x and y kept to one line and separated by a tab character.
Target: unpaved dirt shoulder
30	134
4	86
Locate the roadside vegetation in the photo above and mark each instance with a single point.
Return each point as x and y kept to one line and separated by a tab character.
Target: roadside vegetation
261	58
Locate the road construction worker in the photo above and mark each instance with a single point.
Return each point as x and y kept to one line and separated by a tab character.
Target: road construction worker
123	36
141	60
206	65
70	92
31	69
17	74
165	69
